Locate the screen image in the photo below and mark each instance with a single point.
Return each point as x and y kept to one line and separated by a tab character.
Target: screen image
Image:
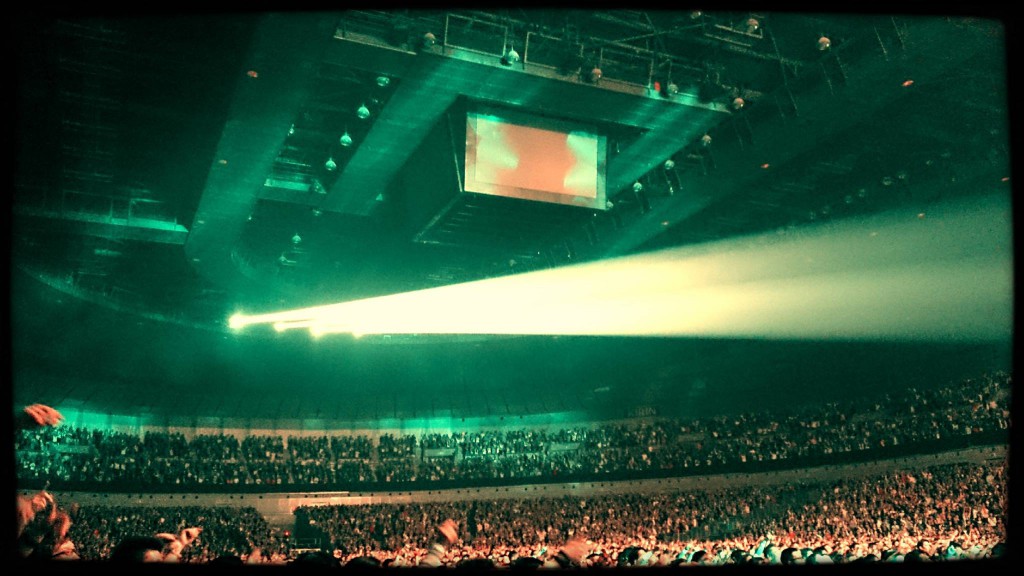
538	161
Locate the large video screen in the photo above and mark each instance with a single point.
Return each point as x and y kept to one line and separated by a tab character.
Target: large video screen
512	155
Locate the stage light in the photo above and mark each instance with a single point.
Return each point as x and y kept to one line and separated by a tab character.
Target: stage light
510	56
946	277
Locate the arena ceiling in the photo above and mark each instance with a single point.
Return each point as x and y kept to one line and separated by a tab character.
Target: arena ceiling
173	169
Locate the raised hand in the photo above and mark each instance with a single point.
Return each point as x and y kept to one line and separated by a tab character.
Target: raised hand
576	549
41	415
450	530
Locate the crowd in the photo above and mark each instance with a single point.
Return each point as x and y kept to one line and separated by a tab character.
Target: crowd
98	530
939	513
958	506
914	420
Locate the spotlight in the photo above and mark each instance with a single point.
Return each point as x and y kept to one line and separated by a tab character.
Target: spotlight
824	43
237	321
331	165
510	57
345	139
363	112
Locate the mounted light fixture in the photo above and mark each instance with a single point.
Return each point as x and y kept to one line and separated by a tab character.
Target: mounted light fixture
752	25
738	103
672	181
331	165
666	90
705	140
824	43
595	75
383	81
345	139
363	112
510	56
429	40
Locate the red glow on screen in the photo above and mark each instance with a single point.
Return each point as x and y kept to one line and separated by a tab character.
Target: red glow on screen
563	166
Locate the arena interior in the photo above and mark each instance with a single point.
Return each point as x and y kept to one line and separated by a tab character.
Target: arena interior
511	288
